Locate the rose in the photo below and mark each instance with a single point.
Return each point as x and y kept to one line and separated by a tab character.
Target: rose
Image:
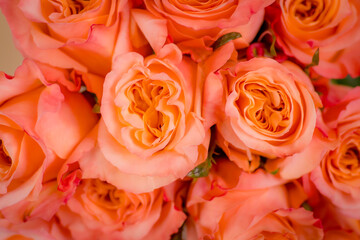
219	209
334	222
98	207
30	152
337	175
332	26
34	230
79	34
197	24
151	124
267	108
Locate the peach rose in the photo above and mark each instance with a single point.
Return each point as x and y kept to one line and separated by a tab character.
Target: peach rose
267	109
99	208
338	174
197	24
336	225
151	122
31	230
233	213
79	34
332	26
30	152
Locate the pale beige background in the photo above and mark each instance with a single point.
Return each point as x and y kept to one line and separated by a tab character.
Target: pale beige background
10	58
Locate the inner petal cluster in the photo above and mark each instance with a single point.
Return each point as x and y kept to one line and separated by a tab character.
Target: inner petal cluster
265	106
344	162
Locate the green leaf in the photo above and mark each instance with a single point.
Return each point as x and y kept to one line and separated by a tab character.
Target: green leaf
307	206
347	81
225	39
274	172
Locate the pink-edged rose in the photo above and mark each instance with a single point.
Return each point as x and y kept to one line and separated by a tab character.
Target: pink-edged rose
337	176
222	209
70	34
99	208
151	122
333	26
39	127
195	25
32	230
262	108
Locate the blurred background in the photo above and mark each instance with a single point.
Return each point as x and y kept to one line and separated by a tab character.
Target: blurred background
10	57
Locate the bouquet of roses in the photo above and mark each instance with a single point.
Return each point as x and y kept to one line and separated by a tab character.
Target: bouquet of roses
174	119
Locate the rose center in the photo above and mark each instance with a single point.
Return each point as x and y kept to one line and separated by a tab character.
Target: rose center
5	160
71	7
345	160
306	8
105	195
146	98
351	158
266	107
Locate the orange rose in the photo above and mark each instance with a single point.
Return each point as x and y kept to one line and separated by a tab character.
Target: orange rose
331	26
151	122
100	208
267	108
31	230
218	209
338	173
79	34
336	225
197	24
30	153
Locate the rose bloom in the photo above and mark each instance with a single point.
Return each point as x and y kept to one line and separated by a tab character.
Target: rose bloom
99	208
197	24
332	26
151	124
336	225
32	230
30	153
219	209
337	176
267	109
79	34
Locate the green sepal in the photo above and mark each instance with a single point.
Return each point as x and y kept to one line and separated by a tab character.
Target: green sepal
225	39
272	47
274	172
96	108
314	62
306	206
203	169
